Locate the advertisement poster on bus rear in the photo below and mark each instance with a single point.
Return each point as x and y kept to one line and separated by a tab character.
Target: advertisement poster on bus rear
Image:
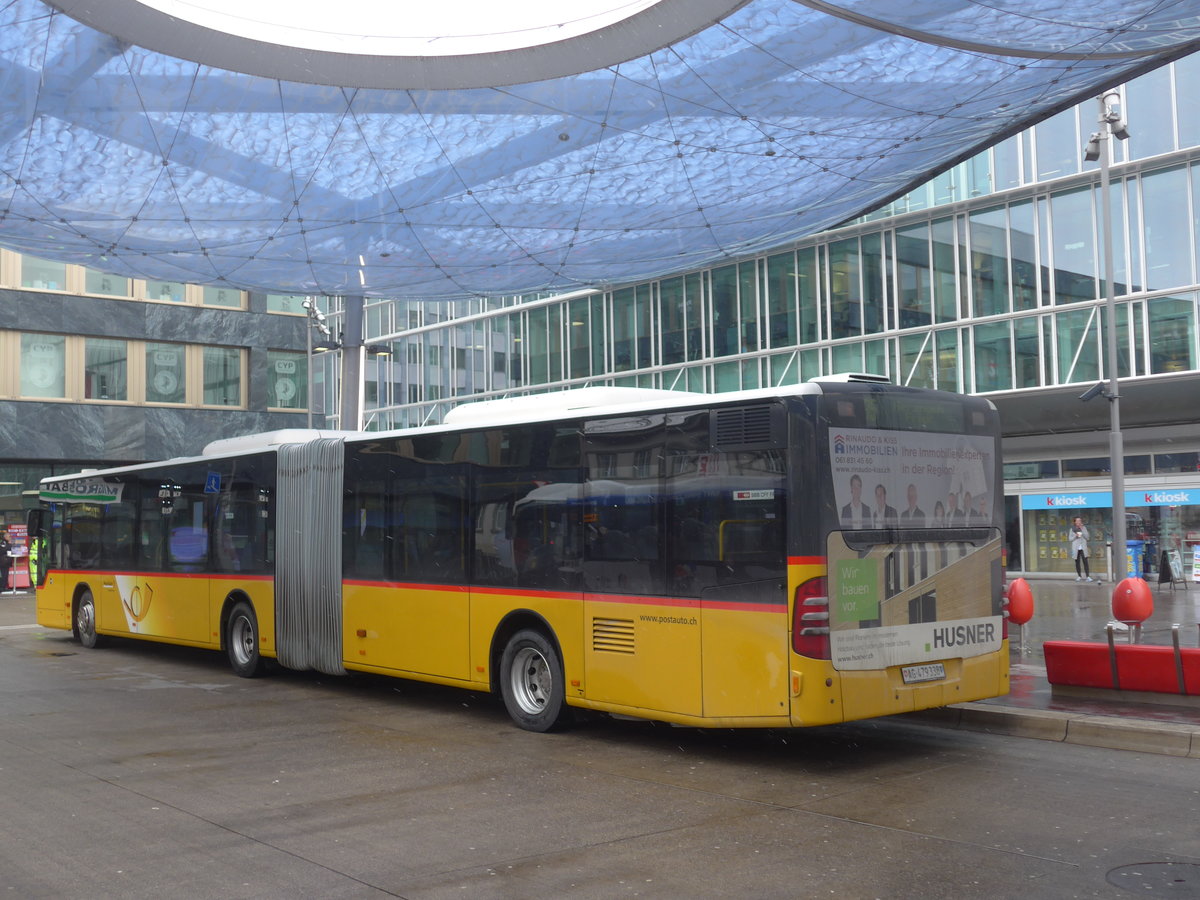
910	591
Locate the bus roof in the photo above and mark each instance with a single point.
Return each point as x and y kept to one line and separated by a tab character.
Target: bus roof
527	409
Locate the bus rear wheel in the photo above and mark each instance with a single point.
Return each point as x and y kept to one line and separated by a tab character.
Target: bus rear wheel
84	622
531	682
241	641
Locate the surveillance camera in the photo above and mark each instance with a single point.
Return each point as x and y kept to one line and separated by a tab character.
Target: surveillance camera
1092	151
307	303
1120	130
1094	391
319	316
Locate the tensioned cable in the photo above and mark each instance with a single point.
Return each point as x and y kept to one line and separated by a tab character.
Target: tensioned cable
927	37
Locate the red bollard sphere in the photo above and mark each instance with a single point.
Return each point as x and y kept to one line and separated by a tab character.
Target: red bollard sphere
1132	601
1020	602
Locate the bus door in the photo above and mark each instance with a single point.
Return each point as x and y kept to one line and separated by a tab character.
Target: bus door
53	604
173	601
642	644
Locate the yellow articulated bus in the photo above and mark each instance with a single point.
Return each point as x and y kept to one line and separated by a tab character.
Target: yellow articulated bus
791	557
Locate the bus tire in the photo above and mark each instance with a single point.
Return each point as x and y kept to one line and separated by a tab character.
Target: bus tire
531	682
83	623
241	641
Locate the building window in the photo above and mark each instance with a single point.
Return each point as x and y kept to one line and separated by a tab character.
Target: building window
1170	463
287	380
1031	471
43	274
105	369
103	283
286	303
165	373
222	376
172	291
226	297
1090	467
43	365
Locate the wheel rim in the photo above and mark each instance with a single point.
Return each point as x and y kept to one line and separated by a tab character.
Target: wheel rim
532	681
241	639
85	619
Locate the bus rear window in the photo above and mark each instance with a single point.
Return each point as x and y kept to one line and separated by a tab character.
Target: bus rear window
904	412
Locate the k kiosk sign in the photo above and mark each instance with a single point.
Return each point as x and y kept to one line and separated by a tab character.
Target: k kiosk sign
1103	499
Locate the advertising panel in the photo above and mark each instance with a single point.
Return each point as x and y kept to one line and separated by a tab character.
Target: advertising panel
913	602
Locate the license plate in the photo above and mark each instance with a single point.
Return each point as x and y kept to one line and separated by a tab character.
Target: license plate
928	672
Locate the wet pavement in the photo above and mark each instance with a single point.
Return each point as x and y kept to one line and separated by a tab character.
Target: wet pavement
1081	611
1063	610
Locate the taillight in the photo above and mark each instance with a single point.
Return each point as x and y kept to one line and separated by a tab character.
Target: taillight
810	619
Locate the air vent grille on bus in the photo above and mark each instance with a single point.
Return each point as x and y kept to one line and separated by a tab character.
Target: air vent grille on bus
745	426
612	635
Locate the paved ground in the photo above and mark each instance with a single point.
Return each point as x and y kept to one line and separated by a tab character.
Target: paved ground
1066	610
1063	610
139	770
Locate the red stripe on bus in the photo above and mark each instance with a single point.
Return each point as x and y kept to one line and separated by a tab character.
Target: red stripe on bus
806	560
408	585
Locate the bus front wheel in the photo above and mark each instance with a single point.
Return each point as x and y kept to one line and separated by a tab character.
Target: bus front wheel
85	621
241	641
531	682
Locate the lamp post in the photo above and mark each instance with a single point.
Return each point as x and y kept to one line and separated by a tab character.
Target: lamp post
1099	147
316	319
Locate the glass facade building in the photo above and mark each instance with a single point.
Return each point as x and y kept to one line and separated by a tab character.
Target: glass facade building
987	280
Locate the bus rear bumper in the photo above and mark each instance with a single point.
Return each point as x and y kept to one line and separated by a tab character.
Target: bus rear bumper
865	695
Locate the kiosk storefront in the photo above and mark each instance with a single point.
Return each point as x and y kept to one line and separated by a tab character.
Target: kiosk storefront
1157	519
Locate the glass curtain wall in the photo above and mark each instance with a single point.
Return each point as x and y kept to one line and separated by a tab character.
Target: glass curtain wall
1005	293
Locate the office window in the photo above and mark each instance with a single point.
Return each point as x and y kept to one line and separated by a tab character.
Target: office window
1058	147
993	365
1028	351
989	261
1167	232
1176	462
916	360
43	365
1173	329
287	380
226	297
945	279
165	373
1086	467
105	369
781	300
103	283
845	293
42	273
947	357
1031	471
286	303
672	315
222	376
914	284
1078	338
172	291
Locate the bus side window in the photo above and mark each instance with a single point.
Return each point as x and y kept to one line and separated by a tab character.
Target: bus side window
187	543
81	535
116	535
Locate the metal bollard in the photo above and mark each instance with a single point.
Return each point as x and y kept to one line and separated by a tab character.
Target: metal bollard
1112	657
1178	660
